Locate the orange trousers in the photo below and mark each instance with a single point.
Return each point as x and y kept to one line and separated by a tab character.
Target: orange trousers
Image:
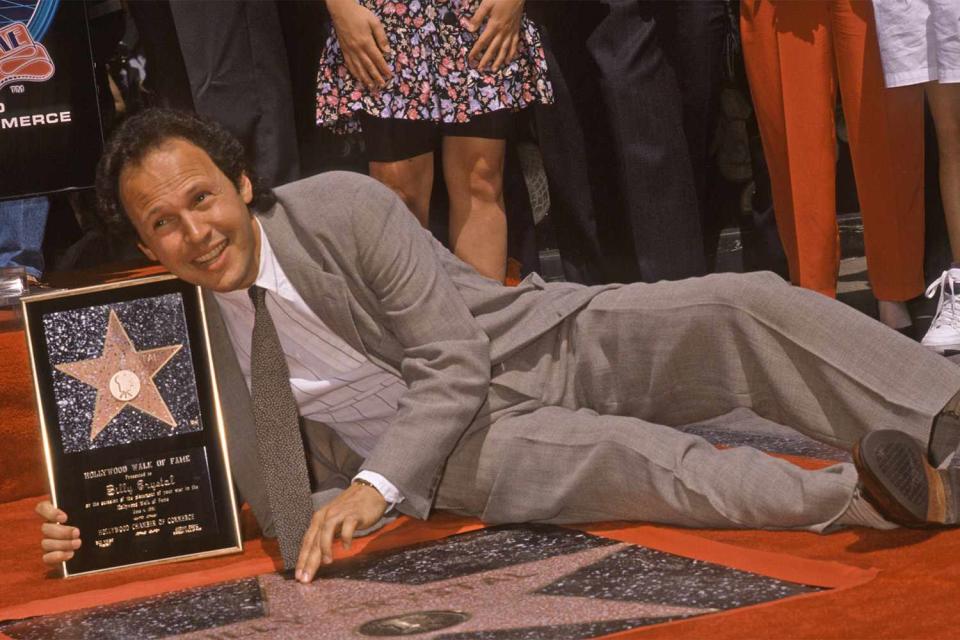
796	53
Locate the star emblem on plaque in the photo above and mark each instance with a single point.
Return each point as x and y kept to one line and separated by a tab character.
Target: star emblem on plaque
124	372
123	376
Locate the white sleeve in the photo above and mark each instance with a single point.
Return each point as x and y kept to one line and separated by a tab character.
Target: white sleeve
389	492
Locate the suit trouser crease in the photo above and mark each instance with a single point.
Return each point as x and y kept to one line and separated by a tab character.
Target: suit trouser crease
796	54
660	72
580	424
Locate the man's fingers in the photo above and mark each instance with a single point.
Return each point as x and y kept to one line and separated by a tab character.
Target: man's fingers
346	531
49	544
342	516
56	531
307	543
312	555
312	562
48	512
56	557
327	533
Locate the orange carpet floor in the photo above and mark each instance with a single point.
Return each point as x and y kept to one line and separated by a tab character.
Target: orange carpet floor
900	584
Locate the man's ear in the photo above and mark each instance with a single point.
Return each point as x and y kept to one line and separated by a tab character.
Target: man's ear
146	251
246	188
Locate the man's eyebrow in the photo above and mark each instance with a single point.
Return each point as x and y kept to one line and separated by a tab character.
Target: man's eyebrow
152	210
195	186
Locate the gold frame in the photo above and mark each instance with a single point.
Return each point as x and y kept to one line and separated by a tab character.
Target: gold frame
221	436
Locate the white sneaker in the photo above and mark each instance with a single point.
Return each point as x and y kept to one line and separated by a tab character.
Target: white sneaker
944	331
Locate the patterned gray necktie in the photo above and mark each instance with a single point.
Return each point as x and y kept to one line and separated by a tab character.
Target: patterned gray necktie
280	446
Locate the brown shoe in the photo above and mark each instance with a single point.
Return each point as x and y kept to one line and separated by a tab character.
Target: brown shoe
900	482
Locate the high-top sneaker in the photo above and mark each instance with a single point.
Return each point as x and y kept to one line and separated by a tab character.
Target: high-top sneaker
944	332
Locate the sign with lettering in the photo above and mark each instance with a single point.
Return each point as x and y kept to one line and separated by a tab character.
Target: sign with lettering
50	134
131	426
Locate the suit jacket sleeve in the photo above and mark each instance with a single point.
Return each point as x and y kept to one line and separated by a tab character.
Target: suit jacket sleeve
446	356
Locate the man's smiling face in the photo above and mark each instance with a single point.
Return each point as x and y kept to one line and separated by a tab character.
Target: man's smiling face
191	217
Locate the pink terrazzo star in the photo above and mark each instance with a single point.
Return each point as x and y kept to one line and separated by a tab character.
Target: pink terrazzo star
499	599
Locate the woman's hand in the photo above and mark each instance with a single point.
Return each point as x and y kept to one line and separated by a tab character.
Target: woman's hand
500	39
363	42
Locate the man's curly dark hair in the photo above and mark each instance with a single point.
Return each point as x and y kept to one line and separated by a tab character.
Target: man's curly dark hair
140	134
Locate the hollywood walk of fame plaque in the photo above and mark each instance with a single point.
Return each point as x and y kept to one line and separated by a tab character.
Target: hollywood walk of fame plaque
133	438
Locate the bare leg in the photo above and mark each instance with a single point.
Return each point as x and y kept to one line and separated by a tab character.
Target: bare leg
944	102
473	169
411	179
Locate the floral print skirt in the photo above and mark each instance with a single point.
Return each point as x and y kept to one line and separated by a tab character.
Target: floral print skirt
432	78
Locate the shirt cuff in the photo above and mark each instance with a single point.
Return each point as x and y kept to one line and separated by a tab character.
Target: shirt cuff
389	492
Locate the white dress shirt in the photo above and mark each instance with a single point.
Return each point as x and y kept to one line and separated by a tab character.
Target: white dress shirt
331	381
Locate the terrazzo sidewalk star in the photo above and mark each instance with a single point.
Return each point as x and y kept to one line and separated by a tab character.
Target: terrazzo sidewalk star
530	581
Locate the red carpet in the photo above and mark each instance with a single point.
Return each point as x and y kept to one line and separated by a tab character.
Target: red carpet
22	458
901	584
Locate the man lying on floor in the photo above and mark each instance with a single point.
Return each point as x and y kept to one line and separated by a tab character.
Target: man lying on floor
537	403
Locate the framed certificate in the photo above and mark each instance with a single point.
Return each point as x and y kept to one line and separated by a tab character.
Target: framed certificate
133	437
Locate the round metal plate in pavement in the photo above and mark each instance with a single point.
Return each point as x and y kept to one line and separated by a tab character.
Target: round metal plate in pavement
410	624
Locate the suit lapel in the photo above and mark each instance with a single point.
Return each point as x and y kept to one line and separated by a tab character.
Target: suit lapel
325	293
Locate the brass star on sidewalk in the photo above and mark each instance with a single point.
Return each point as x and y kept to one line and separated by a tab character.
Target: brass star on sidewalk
123	376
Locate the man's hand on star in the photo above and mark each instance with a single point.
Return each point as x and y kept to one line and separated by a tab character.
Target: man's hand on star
359	507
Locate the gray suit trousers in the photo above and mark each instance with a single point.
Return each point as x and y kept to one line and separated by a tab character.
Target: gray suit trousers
578	424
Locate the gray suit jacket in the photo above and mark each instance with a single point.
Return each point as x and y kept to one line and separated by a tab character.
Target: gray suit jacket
363	264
